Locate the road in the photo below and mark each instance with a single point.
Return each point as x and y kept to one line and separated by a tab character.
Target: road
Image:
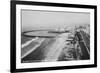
83	42
86	39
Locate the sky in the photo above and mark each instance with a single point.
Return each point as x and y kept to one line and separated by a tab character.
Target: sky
32	20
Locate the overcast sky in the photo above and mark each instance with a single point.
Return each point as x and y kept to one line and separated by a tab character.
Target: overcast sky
49	19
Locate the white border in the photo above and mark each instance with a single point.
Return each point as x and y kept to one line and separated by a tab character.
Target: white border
20	65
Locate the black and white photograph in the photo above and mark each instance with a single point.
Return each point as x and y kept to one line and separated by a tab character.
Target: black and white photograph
52	36
48	36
